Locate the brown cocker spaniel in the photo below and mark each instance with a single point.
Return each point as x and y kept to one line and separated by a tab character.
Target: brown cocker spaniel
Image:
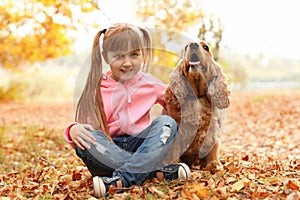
196	98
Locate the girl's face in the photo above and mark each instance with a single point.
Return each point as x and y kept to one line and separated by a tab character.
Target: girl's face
124	65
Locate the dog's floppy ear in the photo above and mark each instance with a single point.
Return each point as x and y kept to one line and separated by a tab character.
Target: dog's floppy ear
177	84
218	88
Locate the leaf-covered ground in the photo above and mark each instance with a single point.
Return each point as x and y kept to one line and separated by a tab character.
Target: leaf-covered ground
260	154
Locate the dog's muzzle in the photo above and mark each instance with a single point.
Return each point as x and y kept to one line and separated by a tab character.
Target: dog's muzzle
194	58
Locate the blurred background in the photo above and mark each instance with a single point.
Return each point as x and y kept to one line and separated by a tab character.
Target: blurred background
45	43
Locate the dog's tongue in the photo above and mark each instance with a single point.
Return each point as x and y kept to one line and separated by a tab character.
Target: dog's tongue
194	63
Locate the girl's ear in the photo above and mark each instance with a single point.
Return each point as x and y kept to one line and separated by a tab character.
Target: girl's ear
105	57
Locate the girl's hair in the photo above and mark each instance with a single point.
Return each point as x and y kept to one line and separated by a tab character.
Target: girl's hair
120	37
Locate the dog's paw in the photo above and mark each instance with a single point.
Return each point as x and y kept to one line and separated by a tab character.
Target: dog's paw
214	166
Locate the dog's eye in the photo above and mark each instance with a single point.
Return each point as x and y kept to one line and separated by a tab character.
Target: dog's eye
205	47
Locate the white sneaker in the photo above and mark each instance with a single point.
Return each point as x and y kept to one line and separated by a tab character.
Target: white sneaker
102	184
175	171
99	187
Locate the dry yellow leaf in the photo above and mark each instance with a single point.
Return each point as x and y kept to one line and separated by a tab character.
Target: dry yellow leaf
200	190
230	180
237	186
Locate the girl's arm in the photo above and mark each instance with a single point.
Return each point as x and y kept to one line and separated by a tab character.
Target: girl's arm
79	135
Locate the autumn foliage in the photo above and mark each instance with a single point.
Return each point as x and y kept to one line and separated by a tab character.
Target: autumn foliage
35	30
260	154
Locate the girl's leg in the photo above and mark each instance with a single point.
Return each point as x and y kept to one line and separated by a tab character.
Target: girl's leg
103	158
149	147
154	144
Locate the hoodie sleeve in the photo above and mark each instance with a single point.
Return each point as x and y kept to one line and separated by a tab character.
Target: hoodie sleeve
67	134
160	90
160	98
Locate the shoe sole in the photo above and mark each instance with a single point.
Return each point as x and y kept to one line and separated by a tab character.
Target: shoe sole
184	171
99	187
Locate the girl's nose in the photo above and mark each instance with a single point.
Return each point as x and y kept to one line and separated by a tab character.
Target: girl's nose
127	61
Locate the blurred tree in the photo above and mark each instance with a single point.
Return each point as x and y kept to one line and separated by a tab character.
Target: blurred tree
179	16
211	30
35	30
176	15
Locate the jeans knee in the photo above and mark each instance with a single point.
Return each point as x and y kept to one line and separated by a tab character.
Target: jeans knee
169	121
169	129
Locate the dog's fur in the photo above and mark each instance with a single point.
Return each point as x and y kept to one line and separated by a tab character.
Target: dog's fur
196	97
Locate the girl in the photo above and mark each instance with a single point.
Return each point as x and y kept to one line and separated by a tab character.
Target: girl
112	132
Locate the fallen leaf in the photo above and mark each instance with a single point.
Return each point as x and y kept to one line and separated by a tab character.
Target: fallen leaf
237	186
111	189
76	176
251	176
201	190
158	192
245	158
292	185
275	182
222	191
230	180
186	194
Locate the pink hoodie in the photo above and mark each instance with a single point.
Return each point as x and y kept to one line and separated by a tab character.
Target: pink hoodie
127	104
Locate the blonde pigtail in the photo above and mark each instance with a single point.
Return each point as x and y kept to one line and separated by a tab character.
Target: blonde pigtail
147	51
99	107
90	107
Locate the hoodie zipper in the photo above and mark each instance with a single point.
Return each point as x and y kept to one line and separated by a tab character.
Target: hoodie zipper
128	93
129	98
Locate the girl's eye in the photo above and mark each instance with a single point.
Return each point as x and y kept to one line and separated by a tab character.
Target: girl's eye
118	56
134	55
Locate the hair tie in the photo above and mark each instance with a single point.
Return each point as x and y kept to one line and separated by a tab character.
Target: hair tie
104	30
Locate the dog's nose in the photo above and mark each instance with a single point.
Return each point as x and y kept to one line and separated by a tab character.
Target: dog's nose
194	45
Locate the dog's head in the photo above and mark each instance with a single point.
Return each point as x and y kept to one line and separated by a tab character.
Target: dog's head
206	80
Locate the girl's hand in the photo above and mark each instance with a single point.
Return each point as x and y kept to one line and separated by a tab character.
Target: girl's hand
80	135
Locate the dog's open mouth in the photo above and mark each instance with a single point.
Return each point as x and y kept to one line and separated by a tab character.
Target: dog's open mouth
194	60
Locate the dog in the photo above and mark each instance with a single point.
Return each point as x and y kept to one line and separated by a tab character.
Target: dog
196	98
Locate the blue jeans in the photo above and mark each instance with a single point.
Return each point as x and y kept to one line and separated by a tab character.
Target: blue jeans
134	158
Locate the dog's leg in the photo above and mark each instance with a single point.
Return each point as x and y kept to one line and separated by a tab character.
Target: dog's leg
212	159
